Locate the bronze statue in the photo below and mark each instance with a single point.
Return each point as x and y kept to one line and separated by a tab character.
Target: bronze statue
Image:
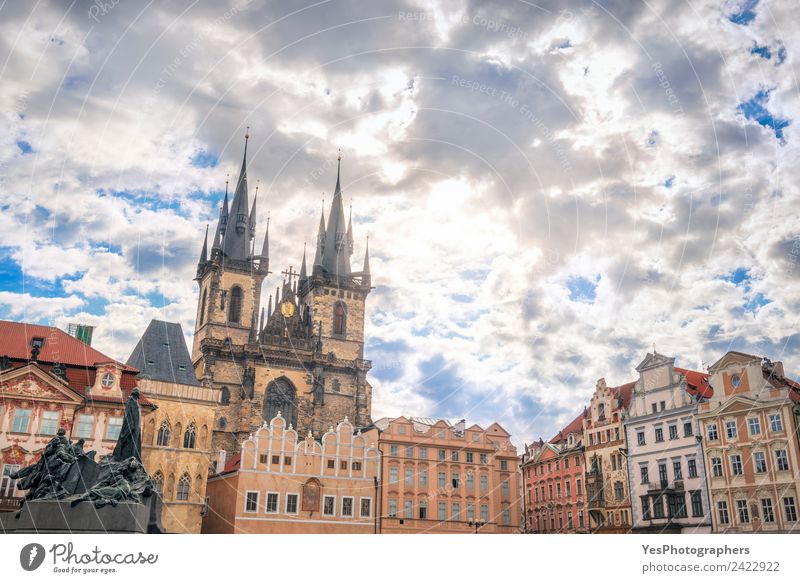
129	442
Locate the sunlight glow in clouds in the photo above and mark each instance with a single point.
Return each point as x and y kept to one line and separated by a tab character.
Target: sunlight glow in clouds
607	176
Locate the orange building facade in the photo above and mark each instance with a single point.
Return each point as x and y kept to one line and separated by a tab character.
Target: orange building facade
750	441
443	478
282	483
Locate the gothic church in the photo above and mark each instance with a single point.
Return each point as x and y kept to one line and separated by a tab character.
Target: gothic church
304	354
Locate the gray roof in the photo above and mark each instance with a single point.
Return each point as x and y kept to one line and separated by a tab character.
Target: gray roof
162	355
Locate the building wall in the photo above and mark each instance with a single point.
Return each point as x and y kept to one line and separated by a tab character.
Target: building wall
660	400
555	489
179	406
416	500
609	509
753	398
277	461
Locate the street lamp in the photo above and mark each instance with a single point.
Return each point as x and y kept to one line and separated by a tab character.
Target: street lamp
477	524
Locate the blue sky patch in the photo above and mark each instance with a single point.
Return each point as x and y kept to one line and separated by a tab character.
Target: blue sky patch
762	52
203	159
746	14
582	289
24	147
754	109
669	181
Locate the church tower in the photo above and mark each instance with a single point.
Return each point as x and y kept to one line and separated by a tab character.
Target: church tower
304	355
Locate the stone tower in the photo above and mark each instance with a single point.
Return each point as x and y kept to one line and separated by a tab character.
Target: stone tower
304	355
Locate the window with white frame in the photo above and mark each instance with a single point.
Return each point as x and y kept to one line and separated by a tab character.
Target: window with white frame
423	509
393	450
409	477
781	460
272	502
7	483
291	503
789	509
408	508
442	512
711	432
736	464
456	511
760	462
506	517
767	512
775	422
743	511
22	418
423	478
754	426
504	489
409	452
393	474
49	424
423	453
722	512
392	511
485	512
251	502
365	507
347	506
114	427
329	506
470	511
716	467
730	429
484	481
85	426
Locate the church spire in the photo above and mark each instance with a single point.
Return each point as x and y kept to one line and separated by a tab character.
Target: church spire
216	245
235	244
350	241
204	251
253	212
335	259
303	271
320	240
366	278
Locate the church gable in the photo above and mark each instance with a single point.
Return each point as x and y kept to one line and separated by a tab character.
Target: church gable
733	358
30	382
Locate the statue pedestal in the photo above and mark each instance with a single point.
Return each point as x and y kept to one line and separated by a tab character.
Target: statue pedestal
58	517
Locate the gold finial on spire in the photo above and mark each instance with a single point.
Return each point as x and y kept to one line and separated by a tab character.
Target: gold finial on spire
247	133
258	182
339	157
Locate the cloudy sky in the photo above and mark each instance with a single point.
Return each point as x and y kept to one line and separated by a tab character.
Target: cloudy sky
549	188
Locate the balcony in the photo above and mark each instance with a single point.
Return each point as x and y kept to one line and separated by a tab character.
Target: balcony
10	503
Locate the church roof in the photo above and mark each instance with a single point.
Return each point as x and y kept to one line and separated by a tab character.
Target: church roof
162	355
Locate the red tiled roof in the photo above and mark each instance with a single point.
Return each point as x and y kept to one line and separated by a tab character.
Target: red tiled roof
15	342
232	464
697	383
574	426
625	391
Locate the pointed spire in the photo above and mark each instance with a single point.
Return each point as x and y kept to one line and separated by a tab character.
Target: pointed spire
264	265
253	212
223	214
223	219
350	241
261	324
366	277
236	242
320	238
335	259
269	309
303	271
204	251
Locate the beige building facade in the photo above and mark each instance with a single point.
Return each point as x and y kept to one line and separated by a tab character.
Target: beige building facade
443	478
749	430
285	483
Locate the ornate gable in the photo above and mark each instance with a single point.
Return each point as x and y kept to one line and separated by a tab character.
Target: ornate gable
654	360
30	382
733	358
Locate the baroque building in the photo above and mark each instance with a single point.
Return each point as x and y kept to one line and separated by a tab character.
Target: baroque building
50	380
176	437
445	478
303	356
665	454
750	441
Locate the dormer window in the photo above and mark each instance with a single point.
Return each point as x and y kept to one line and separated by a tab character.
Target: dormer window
37	342
151	363
108	380
601	412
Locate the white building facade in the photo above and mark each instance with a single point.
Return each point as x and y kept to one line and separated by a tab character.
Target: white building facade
666	472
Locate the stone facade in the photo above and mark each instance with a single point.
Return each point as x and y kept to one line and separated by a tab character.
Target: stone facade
750	441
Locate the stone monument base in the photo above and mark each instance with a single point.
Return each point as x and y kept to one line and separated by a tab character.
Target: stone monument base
58	516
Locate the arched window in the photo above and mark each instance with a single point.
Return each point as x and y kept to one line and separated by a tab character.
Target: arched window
339	319
223	423
190	437
224	396
158	482
184	487
163	434
235	305
203	307
280	398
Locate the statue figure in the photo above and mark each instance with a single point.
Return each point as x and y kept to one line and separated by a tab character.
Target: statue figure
44	478
129	442
123	482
